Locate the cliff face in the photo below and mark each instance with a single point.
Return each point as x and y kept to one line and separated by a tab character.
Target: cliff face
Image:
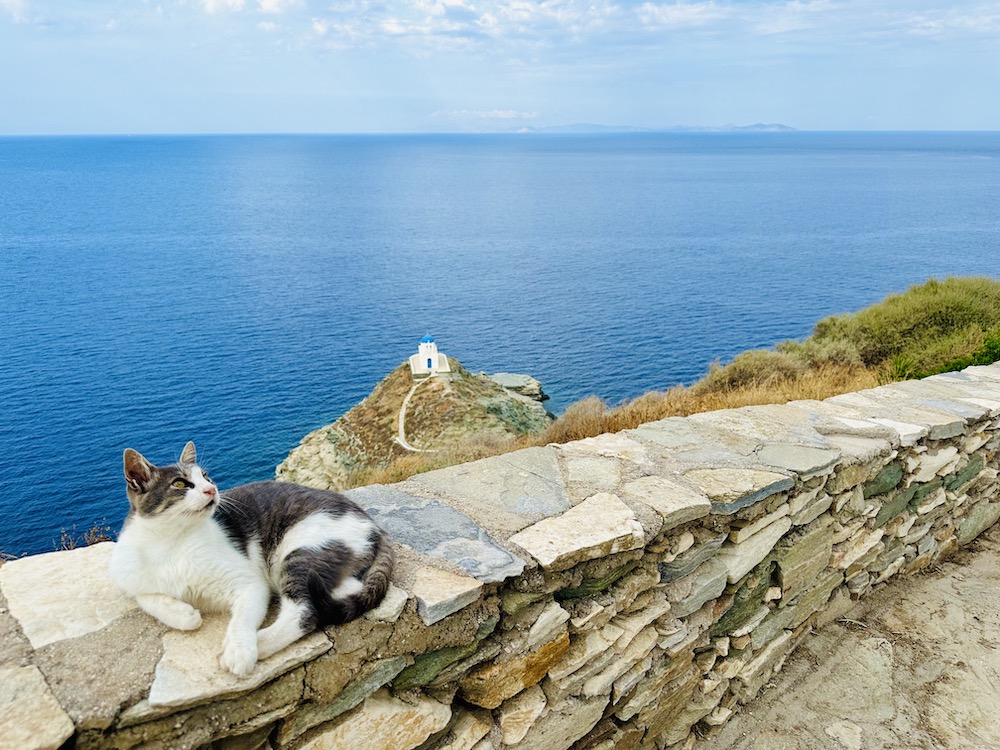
439	412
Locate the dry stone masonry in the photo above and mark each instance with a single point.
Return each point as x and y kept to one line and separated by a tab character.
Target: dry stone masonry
623	592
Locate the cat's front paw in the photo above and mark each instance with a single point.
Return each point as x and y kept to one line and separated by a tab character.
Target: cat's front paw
238	657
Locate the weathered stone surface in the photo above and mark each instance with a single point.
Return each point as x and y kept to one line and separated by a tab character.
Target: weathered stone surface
547	627
440	593
887	479
599	526
563	723
63	595
385	721
848	552
491	684
504	493
690	559
741	531
933	462
804	460
740	559
981	517
371	679
676	503
802	555
690	593
438	530
190	673
466	730
592	586
517	715
391	606
732	489
30	716
617	445
95	675
584	650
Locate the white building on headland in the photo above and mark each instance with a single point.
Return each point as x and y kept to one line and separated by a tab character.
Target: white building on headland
428	360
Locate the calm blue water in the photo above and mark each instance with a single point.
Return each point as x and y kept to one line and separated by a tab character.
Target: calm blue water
242	291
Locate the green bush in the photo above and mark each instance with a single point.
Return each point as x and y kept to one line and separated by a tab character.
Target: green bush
927	328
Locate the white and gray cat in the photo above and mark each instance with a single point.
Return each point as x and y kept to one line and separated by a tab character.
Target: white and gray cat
185	547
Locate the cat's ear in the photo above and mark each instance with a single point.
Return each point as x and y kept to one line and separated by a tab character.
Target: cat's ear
188	455
138	471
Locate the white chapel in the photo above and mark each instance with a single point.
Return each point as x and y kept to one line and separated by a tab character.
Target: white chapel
428	360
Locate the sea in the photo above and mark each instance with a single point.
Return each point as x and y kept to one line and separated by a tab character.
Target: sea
241	291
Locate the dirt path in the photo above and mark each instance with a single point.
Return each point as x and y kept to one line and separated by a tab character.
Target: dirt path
918	668
401	437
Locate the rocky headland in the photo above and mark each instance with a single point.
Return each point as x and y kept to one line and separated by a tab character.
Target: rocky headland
438	413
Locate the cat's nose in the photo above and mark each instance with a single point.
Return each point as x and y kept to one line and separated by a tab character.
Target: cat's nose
210	490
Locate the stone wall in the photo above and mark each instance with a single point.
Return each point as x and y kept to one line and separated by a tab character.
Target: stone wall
625	591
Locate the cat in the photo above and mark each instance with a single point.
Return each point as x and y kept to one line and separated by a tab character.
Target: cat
185	547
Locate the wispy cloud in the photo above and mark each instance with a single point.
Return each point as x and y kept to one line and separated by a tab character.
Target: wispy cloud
215	6
680	15
15	8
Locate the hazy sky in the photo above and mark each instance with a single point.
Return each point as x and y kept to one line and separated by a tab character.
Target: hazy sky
132	66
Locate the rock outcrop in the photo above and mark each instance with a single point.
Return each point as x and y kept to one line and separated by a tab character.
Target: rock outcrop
439	413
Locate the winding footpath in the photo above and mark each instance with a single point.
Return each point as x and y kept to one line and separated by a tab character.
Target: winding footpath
401	436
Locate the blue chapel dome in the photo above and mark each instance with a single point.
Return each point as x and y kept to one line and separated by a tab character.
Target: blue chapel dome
428	339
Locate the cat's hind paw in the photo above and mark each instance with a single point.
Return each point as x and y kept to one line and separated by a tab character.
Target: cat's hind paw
187	620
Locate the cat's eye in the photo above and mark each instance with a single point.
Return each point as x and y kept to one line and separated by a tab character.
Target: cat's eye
179	484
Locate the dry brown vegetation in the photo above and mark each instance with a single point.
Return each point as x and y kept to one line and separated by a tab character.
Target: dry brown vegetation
932	327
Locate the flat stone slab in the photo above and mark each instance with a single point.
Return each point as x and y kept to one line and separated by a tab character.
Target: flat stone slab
804	460
190	673
62	595
433	528
612	445
675	503
731	489
385	721
741	558
440	593
599	526
506	493
30	716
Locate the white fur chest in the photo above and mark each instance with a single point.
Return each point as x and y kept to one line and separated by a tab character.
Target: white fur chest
200	566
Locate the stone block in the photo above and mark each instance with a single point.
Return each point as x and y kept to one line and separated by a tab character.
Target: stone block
435	529
518	714
504	493
563	723
676	503
690	593
802	555
466	731
440	593
743	530
190	673
63	595
732	489
30	716
686	562
491	684
384	721
803	460
887	479
373	677
980	517
599	526
740	559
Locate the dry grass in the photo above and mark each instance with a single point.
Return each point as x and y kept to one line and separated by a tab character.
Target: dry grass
591	416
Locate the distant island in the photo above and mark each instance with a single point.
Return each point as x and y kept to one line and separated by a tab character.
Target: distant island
586	127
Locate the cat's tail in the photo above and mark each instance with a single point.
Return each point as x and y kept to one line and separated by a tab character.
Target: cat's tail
374	583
